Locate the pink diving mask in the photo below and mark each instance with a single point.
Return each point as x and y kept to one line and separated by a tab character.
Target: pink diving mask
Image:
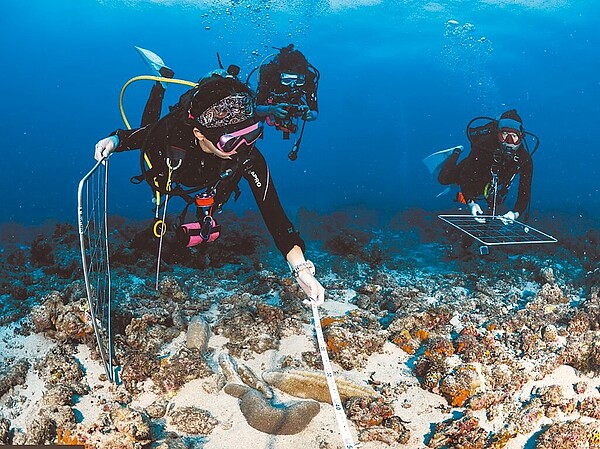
246	136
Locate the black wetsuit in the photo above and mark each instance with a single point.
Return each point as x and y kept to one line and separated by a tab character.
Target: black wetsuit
200	168
271	91
474	173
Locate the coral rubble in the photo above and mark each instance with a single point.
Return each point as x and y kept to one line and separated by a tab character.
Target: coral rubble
482	336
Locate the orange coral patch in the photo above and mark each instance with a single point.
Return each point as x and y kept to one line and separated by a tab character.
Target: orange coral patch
327	321
460	398
65	438
334	345
422	334
408	349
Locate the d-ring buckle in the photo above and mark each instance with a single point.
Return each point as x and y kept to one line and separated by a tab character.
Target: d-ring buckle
168	160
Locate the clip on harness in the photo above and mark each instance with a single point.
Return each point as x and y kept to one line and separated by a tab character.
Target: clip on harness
159	228
163	226
333	391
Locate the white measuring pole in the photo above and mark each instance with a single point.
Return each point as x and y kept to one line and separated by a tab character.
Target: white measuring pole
333	391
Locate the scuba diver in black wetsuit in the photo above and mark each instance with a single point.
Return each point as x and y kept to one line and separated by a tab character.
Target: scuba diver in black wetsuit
498	154
287	92
207	142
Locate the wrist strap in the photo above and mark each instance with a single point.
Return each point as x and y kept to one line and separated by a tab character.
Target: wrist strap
303	265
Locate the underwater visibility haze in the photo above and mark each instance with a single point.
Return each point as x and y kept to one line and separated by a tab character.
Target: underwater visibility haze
434	343
399	80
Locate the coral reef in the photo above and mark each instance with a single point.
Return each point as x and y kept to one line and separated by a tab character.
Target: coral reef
192	420
464	432
570	435
131	428
13	375
180	368
460	384
4	431
368	412
590	407
51	253
62	320
473	332
353	338
60	367
524	420
253	326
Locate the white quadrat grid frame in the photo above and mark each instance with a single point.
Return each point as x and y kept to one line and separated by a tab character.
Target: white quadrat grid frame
490	230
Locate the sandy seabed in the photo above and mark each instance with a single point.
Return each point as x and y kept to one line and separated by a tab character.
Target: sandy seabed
458	353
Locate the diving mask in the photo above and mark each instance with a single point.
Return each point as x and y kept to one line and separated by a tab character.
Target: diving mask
228	143
292	79
509	136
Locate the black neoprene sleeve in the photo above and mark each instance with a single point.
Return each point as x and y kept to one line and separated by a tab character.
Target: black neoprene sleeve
257	174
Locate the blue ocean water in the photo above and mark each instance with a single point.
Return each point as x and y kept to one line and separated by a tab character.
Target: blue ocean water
399	80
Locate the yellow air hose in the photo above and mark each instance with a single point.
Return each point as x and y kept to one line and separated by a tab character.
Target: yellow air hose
123	115
149	78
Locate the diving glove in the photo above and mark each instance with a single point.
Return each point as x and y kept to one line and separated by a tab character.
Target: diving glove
509	217
304	273
476	210
306	113
311	115
105	147
277	110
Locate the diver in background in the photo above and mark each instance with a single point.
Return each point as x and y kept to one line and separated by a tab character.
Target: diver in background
497	155
287	91
208	140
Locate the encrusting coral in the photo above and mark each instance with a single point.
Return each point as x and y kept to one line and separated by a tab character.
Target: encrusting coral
313	385
257	403
475	333
192	420
198	334
464	432
272	418
570	435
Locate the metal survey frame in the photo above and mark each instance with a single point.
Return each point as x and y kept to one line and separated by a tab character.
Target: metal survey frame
486	243
92	209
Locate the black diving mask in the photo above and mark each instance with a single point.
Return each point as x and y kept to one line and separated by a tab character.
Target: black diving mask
292	79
